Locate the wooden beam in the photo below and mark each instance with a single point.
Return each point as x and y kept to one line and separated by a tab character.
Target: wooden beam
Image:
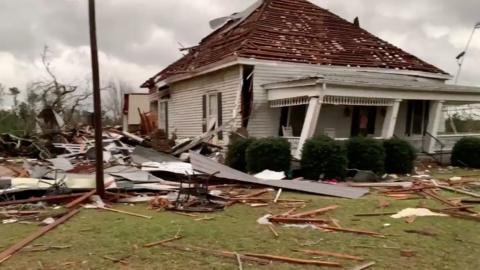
315	212
289	220
293	260
331	254
18	246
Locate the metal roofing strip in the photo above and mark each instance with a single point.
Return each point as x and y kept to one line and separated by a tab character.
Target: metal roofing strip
206	165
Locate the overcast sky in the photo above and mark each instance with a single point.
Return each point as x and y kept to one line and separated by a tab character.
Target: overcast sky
137	38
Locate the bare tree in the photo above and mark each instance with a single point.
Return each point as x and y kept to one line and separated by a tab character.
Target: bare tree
60	97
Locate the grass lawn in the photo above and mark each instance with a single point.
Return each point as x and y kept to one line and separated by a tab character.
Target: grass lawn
93	234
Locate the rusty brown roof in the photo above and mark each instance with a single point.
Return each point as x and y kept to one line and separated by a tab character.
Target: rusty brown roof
300	32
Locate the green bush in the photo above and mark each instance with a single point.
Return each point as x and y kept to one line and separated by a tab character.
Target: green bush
323	156
399	156
366	154
466	153
268	153
236	154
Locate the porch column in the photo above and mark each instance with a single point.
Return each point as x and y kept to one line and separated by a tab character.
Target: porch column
391	120
435	115
310	124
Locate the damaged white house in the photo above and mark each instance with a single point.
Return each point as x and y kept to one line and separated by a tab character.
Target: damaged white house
292	69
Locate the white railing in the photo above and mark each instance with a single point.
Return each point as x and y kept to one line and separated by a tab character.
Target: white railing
294	141
449	140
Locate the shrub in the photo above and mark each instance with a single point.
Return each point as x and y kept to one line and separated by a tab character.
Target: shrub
323	156
366	154
236	154
466	153
268	153
399	156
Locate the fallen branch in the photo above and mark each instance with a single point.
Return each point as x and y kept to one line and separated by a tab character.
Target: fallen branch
115	260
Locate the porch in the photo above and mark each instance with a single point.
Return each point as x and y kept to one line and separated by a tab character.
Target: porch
308	109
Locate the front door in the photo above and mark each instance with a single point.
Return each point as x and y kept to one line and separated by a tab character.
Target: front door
363	121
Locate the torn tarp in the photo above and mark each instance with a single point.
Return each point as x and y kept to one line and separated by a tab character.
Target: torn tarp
206	165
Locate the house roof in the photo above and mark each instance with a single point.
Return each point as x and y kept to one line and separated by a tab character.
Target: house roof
295	31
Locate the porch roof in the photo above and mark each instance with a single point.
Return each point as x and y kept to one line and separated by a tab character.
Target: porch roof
368	85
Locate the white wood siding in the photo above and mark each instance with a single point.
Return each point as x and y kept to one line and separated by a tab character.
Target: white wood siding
185	104
265	121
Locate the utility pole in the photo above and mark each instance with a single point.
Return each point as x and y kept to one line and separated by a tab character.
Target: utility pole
97	105
462	56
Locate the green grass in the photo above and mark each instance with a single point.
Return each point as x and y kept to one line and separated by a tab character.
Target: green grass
93	234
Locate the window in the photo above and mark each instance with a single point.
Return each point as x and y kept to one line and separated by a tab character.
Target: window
212	112
163	116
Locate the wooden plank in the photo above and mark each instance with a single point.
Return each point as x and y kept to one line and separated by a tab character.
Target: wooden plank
315	212
375	214
272	229
43	199
18	246
364	266
350	230
331	254
124	212
475	195
293	260
289	220
161	242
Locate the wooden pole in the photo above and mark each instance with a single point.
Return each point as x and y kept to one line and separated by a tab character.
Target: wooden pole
97	105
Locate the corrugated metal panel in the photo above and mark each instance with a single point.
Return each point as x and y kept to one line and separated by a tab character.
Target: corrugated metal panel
185	108
209	166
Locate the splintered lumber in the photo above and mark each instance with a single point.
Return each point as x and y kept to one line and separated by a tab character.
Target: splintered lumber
85	197
115	260
255	194
43	199
363	266
289	220
315	212
293	260
272	229
43	230
331	254
124	212
350	230
226	254
375	214
475	195
439	198
161	242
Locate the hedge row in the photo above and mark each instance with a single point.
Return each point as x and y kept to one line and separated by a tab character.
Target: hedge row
257	155
323	157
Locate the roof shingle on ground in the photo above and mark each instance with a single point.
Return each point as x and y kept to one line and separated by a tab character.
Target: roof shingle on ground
300	32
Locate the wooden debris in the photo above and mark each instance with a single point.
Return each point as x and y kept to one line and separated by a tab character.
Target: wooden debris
239	261
43	230
123	262
255	194
364	266
315	212
375	214
272	229
226	254
125	212
161	242
293	260
277	197
331	254
422	232
410	219
350	230
475	195
289	220
204	218
43	199
408	253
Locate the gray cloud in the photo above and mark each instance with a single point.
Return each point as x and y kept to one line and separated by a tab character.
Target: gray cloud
138	38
